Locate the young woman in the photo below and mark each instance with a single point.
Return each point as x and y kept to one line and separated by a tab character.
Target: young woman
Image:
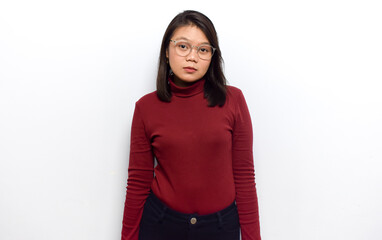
199	131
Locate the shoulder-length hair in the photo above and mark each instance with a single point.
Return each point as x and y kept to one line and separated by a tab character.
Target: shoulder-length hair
215	81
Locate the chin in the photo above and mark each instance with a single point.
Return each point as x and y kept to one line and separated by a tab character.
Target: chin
190	80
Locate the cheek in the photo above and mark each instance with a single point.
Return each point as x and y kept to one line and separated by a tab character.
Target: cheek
206	66
174	59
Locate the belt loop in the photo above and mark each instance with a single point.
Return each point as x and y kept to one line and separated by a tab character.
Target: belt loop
162	214
219	219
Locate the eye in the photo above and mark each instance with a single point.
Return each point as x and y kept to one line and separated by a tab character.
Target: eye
183	46
205	49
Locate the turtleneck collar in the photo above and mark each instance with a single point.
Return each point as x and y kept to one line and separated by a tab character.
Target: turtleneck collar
188	91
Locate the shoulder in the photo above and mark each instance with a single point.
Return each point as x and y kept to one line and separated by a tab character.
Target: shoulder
147	102
231	90
148	99
235	94
236	99
150	104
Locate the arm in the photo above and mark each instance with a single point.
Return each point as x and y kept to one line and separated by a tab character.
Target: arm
243	170
141	167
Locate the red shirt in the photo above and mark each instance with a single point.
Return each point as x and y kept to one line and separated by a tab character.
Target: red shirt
204	157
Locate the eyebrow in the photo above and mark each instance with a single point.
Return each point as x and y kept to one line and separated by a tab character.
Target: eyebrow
184	38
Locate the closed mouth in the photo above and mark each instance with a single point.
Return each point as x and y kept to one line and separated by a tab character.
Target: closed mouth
190	68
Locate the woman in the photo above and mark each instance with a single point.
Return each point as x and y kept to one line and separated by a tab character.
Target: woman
199	131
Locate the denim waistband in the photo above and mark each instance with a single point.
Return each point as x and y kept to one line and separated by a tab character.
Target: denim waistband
155	202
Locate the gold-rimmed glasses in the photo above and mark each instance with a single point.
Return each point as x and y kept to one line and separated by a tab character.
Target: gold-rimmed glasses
184	48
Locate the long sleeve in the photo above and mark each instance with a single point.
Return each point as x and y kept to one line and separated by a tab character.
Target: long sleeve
243	170
189	141
140	176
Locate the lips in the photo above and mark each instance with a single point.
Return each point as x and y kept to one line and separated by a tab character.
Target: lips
189	69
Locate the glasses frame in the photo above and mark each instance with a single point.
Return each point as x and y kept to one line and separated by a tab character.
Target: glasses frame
197	49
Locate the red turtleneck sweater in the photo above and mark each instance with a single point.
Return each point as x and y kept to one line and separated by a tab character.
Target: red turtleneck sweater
204	157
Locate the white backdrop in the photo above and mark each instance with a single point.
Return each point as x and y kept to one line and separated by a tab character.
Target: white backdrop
71	71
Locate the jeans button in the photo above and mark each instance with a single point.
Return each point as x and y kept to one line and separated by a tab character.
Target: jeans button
193	220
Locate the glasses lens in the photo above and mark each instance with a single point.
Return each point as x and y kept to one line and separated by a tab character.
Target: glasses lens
205	52
183	48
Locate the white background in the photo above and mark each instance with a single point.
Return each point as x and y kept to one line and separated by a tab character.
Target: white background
71	71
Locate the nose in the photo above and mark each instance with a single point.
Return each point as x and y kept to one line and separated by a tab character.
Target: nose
193	56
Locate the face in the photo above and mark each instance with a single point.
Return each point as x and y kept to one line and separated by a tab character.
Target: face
190	68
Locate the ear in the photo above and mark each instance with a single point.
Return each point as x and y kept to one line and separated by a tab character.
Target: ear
167	53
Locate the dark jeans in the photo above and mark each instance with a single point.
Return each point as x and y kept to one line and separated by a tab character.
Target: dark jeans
162	223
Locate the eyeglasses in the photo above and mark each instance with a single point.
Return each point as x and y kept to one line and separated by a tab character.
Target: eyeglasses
183	49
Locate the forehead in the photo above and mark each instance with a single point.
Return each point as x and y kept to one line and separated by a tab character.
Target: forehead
191	34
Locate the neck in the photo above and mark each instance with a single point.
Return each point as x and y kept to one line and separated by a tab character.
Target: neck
187	91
